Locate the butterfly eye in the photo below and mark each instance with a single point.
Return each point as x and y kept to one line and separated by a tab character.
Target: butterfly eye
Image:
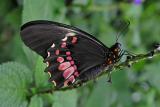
118	45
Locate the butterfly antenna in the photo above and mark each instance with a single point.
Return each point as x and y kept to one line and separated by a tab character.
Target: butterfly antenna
123	30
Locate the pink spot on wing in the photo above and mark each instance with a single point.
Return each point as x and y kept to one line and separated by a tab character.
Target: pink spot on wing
57	52
60	59
68	53
72	79
69	58
64	66
63	45
72	62
66	83
68	72
75	67
76	73
70	34
74	40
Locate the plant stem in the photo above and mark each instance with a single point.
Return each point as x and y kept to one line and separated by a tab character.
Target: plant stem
137	58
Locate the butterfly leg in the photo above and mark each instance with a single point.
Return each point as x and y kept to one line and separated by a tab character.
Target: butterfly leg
94	80
129	53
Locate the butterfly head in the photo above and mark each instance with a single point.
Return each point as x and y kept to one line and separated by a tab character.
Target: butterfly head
115	53
116	49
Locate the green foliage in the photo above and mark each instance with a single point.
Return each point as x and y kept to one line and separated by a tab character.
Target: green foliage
65	99
149	75
15	79
41	78
32	11
23	79
36	102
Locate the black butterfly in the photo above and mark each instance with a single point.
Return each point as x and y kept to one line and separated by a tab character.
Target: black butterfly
72	55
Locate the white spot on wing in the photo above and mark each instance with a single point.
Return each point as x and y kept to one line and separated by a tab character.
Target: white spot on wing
70	34
48	54
49	74
47	64
64	39
54	83
158	48
53	45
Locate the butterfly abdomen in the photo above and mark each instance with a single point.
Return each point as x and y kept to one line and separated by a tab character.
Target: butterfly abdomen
91	73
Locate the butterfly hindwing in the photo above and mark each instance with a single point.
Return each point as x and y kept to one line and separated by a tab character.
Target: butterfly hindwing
68	51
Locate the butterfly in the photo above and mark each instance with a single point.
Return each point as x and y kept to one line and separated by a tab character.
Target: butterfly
72	56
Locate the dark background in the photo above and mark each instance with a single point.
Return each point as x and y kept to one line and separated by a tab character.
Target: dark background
21	71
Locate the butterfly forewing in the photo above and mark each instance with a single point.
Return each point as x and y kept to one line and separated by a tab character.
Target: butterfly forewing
69	52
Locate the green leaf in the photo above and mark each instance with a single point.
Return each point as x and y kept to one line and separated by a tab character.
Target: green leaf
36	101
14	18
17	51
15	78
105	94
152	75
47	99
30	55
32	11
101	95
5	6
41	78
65	99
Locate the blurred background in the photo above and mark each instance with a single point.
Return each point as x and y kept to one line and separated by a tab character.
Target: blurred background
21	71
